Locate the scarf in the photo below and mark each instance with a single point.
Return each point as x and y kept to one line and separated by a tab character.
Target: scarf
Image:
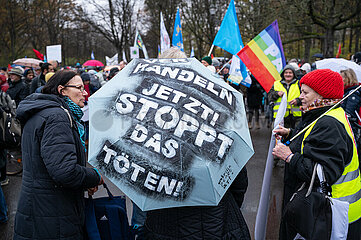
77	113
318	103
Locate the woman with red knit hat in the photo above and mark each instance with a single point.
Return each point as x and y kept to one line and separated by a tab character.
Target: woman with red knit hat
329	142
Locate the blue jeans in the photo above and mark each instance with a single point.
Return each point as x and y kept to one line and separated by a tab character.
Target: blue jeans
3	207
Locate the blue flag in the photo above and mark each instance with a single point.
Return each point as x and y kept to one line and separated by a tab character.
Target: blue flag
228	37
177	40
92	56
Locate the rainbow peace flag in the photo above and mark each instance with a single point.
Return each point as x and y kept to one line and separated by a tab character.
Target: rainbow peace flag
264	56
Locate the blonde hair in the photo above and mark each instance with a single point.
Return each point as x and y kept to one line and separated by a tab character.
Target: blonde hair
349	77
173	52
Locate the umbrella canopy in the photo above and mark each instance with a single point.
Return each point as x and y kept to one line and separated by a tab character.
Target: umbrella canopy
169	133
27	62
338	64
93	63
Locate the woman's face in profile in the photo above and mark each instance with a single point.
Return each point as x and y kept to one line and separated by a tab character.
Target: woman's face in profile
308	96
74	90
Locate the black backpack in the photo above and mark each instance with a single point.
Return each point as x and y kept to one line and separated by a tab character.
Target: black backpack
10	127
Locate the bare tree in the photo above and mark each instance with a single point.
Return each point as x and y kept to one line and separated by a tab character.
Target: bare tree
332	15
113	21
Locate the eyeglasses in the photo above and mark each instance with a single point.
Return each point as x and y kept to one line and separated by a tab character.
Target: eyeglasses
80	87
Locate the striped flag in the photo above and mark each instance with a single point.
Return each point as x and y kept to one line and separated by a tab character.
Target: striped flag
138	42
164	37
264	56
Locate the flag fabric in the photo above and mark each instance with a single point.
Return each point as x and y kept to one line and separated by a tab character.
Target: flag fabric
138	42
235	73
159	51
38	54
264	201
92	56
177	40
111	60
264	56
229	37
124	58
164	37
134	52
192	53
338	51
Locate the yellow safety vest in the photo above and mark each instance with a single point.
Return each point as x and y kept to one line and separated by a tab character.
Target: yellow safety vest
293	92
348	186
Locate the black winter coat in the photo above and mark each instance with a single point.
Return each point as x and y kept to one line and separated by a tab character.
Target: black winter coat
51	203
327	144
254	95
18	91
224	221
37	82
352	103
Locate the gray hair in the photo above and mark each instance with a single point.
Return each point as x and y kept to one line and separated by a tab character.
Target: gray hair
173	52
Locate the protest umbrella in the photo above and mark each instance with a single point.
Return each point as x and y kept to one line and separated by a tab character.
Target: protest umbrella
338	64
169	133
93	63
27	62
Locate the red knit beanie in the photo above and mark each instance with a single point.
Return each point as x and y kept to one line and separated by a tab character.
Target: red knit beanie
327	83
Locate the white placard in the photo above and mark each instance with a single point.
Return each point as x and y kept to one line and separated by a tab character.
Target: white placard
134	52
53	52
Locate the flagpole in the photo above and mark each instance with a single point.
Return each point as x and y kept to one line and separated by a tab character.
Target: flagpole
210	51
224	65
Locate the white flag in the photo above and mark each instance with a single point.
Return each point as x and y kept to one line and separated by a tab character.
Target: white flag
164	37
235	73
111	60
138	42
124	57
134	52
192	53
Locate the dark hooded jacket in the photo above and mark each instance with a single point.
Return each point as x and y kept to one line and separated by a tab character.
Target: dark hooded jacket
18	90
51	203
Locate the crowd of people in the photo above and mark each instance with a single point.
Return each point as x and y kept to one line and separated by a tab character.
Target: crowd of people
49	101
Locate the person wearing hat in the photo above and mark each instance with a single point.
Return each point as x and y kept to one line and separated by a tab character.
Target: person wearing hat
113	72
225	72
207	62
28	75
288	85
329	141
18	89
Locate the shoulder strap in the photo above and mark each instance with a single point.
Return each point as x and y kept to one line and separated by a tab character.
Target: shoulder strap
70	118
